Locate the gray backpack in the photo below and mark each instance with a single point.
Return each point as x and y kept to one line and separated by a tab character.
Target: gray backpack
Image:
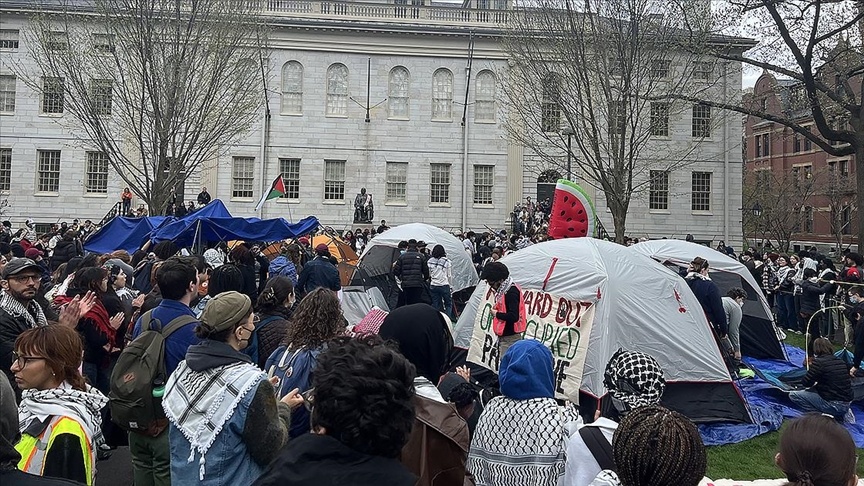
139	377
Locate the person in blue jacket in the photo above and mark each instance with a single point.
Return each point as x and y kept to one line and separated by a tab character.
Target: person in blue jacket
319	272
708	295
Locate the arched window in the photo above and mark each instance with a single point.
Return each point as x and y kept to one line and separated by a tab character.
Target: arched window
292	88
442	95
484	99
337	90
546	184
550	107
397	98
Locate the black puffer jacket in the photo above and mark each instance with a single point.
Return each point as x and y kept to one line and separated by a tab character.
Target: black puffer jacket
810	292
275	326
829	377
411	268
64	251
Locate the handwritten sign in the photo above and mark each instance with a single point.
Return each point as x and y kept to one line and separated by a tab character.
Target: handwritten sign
562	325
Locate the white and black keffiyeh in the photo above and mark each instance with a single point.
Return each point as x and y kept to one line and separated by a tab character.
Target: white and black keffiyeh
634	378
503	288
521	442
199	403
692	275
83	406
17	309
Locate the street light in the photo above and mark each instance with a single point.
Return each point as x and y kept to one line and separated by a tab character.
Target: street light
757	209
569	132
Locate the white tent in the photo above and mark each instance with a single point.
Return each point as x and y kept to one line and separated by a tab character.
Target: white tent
639	305
378	256
759	337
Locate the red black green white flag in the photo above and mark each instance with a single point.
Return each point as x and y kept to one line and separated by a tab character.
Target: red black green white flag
277	189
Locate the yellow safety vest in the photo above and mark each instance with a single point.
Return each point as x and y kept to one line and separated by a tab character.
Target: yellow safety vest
33	450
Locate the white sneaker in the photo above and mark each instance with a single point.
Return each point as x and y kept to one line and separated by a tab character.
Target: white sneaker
849	418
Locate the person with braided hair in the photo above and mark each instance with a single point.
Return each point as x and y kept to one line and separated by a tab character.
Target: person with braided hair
815	450
273	310
654	446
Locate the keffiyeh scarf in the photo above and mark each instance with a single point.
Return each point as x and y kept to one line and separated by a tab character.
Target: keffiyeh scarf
503	288
83	406
640	373
17	309
692	275
200	403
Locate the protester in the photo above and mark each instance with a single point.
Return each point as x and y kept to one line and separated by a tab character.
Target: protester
510	317
634	380
732	303
59	414
284	266
828	321
273	309
441	274
521	435
816	450
223	279
362	415
126	199
708	295
412	270
66	249
784	295
829	384
654	446
855	314
178	281
222	408
203	197
437	449
316	320
318	272
811	292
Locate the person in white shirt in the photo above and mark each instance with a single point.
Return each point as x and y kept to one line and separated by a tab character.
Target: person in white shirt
441	273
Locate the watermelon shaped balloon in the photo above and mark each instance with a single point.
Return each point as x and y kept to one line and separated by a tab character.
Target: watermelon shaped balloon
573	213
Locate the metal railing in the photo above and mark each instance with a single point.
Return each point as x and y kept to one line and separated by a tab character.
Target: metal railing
387	11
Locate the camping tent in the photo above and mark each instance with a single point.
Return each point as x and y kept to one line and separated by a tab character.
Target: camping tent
123	233
378	256
638	305
758	335
188	232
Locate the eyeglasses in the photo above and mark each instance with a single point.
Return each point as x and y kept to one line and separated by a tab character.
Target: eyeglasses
25	278
23	360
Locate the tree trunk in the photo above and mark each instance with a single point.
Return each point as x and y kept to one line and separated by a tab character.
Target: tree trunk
619	221
859	190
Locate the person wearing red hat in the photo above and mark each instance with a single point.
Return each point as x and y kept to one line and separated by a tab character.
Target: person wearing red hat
319	272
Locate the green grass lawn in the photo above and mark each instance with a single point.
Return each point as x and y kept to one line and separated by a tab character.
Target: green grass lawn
753	459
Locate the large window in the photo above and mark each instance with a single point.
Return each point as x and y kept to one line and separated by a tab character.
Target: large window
57	41
766	144
439	189
397	98
5	169
703	71
807	219
550	107
442	95
292	88
334	180
100	94
659	119
397	180
658	194
337	90
617	117
7	94
701	191
660	68
483	183
52	95
290	169
97	173
243	177
846	220
701	123
103	43
9	38
484	102
48	171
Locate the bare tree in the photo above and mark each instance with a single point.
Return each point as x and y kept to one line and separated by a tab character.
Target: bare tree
838	193
784	198
157	86
591	84
818	44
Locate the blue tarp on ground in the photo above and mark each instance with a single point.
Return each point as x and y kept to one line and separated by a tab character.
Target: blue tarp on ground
770	405
123	234
185	232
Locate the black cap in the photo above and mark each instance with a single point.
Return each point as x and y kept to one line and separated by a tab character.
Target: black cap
18	265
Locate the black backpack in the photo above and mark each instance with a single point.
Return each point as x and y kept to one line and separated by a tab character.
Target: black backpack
139	377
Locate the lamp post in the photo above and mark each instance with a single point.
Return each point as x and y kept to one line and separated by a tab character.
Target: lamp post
569	132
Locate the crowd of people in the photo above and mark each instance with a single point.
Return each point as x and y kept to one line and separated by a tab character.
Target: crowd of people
228	367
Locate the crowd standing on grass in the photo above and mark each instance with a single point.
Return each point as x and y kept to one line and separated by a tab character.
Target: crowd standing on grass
263	381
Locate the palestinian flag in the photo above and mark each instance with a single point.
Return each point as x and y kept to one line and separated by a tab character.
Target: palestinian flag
277	189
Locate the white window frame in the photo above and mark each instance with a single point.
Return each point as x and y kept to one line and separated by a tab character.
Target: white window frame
661	68
700	196
398	94
397	183
484	97
550	109
10	39
703	70
52	102
484	185
292	88
96	173
102	94
700	125
659	118
8	86
48	171
334	180
290	170
439	183
103	44
242	177
442	95
337	91
658	191
5	170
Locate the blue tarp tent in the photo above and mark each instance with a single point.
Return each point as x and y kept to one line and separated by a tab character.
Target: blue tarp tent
186	233
123	234
216	209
